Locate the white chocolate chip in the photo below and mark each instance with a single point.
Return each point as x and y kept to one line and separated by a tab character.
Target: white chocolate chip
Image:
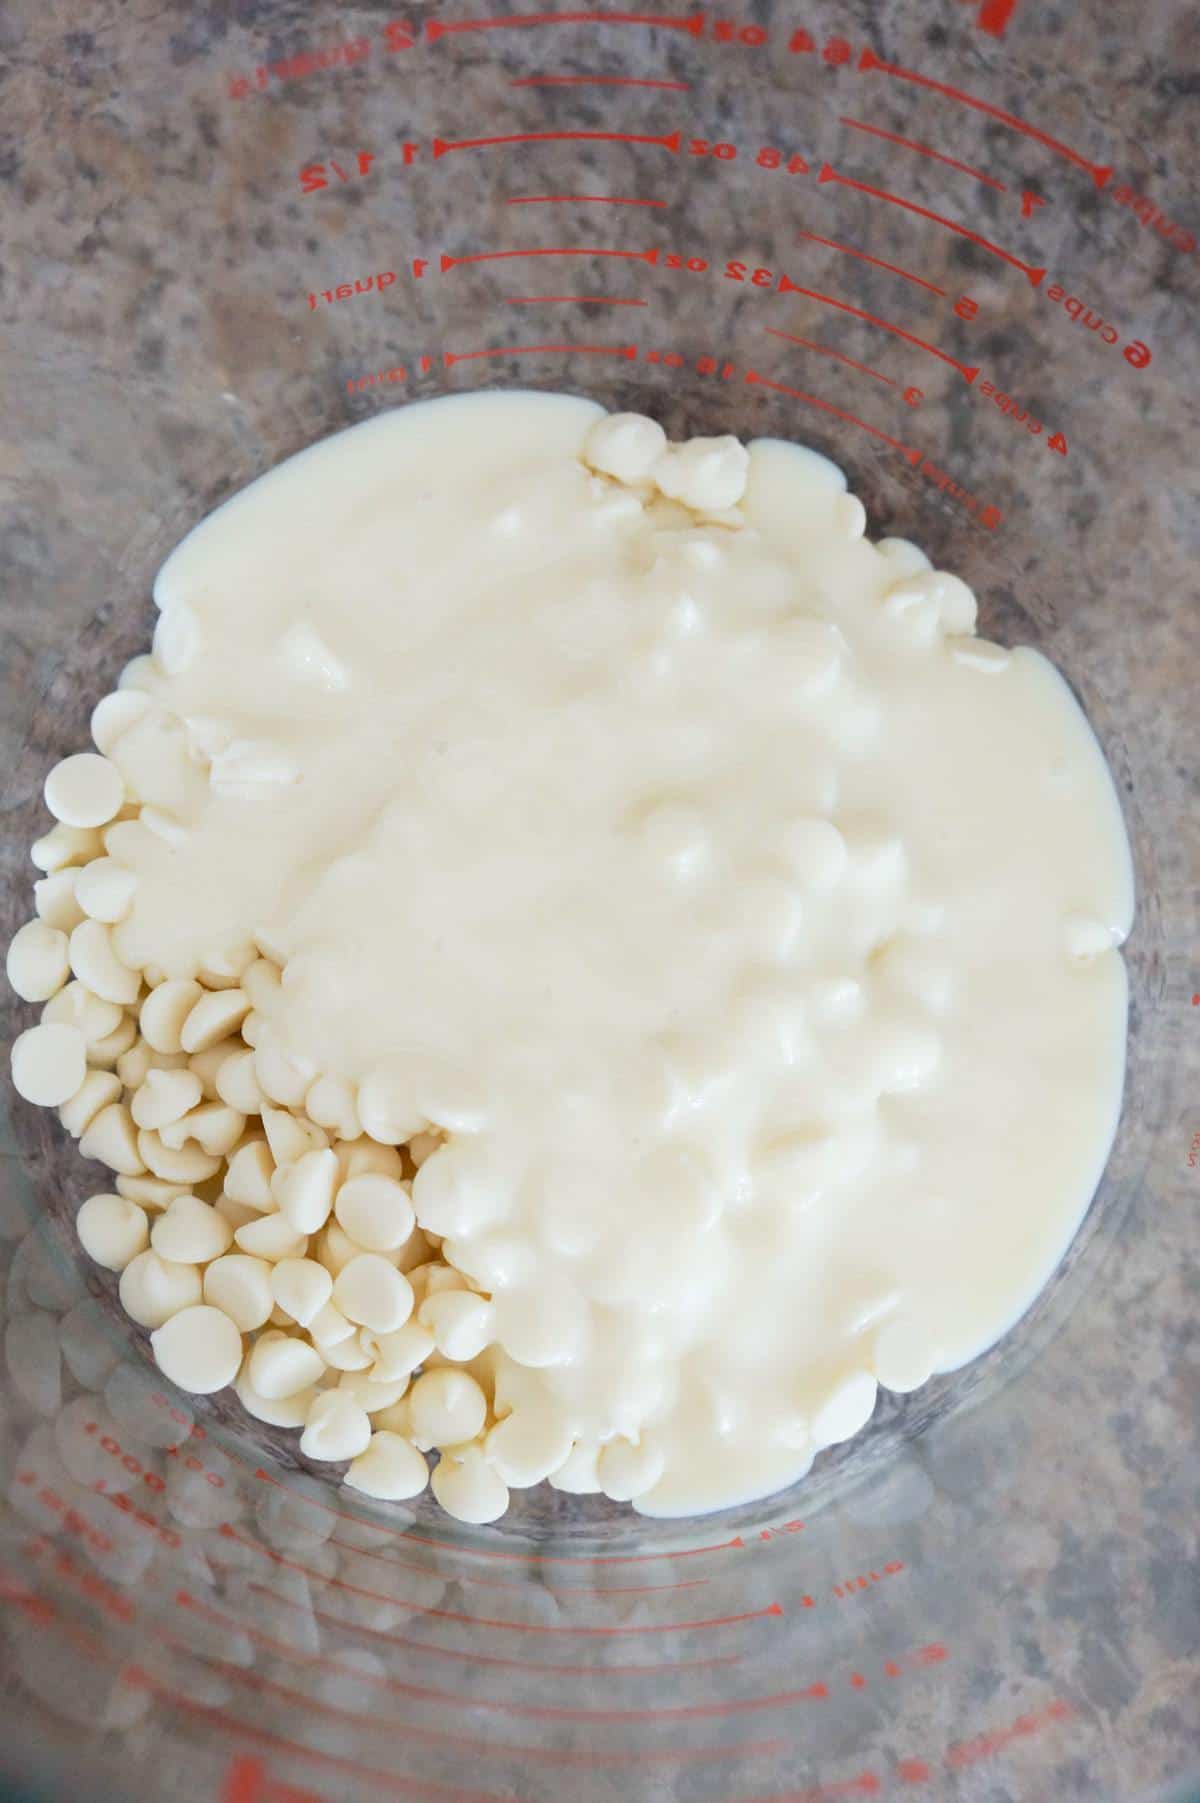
281	1075
105	890
191	1232
213	1018
112	1139
237	1084
386	1106
278	1411
248	1178
98	1090
200	1349
336	1428
241	1286
364	1155
164	1011
335	1249
287	1137
302	1287
64	845
706	475
209	1064
626	446
371	1394
76	1006
467	1487
391	1469
165	1096
626	1470
84	790
372	1293
215	1128
153	1289
528	1445
187	1165
329	1327
150	1193
397	1354
49	1064
330	1102
114	715
112	1231
271	1237
304	1190
38	963
578	1475
903	1357
461	1323
446	1407
375	1211
280	1365
55	900
347	1355
105	1052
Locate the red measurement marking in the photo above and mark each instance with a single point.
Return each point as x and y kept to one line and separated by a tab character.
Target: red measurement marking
989	515
995	16
693	23
607	200
864	1784
40	1609
483	1621
479	1552
441	147
456	1738
496	256
450	358
248	1781
582	300
388	1560
892	268
1034	276
811	400
474	1657
597	81
969	1752
388	1783
852	1585
430	1693
815	1692
967	371
31	1603
112	1601
825	351
1099	173
1196	1001
877	131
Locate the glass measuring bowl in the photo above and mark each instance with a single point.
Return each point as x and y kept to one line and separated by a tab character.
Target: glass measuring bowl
938	242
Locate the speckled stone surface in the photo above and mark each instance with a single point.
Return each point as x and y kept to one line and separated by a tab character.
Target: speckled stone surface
994	1597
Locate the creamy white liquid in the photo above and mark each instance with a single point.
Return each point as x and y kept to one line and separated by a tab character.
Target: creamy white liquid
751	935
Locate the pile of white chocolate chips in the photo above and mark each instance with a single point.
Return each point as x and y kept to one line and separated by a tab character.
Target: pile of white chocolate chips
341	1250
